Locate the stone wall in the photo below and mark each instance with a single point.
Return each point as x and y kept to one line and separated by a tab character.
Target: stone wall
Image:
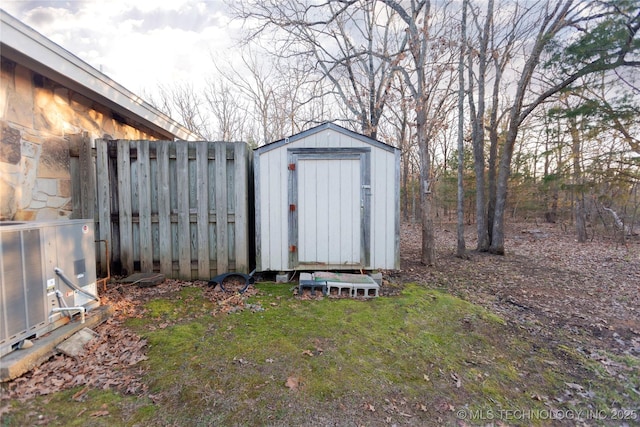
37	119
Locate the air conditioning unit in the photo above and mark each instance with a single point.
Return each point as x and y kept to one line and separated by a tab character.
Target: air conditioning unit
47	275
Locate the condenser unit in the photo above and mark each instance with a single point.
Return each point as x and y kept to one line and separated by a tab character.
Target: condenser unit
47	275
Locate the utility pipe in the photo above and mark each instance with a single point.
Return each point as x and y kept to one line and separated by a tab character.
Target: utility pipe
64	278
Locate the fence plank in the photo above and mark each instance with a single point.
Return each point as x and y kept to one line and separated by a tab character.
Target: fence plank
222	256
241	212
202	160
144	207
182	175
124	201
104	200
195	223
164	209
88	176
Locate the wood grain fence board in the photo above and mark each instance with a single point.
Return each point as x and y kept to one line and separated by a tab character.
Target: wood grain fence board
241	212
203	209
175	207
124	202
144	206
88	175
164	209
184	245
104	201
222	258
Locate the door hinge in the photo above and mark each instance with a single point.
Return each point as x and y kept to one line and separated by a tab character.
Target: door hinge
292	248
292	166
292	208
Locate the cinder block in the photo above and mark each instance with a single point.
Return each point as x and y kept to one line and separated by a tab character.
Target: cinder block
340	286
377	277
312	285
282	278
367	290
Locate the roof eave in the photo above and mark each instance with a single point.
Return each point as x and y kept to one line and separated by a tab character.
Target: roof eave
29	48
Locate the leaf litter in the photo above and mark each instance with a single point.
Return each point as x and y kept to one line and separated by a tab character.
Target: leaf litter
582	296
111	359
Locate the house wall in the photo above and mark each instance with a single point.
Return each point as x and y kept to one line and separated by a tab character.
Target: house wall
37	118
272	201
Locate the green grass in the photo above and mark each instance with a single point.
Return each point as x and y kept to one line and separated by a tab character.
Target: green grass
416	358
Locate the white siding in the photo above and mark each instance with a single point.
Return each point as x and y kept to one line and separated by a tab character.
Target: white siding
329	211
272	209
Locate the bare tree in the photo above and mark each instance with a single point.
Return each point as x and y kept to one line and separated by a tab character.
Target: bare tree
461	246
346	43
558	43
227	108
352	44
401	132
429	74
182	101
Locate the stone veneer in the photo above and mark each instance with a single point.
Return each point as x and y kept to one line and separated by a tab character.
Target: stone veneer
37	118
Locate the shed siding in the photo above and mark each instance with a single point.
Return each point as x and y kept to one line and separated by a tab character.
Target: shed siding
272	208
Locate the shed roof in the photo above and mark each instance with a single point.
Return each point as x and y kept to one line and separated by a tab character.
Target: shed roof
324	126
23	45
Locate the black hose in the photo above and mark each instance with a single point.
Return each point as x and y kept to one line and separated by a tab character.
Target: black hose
64	278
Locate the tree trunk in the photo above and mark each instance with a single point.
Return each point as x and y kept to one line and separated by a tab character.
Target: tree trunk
581	215
428	256
581	220
478	136
497	239
461	246
493	151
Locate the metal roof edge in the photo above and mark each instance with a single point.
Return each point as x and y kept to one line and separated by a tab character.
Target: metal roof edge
319	128
26	46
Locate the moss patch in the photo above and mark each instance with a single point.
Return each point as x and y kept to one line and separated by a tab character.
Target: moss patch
419	358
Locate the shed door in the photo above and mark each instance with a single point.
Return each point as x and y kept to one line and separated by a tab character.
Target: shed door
329	213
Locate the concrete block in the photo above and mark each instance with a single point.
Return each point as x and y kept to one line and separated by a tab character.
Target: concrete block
307	281
282	278
377	277
74	345
368	290
19	362
339	286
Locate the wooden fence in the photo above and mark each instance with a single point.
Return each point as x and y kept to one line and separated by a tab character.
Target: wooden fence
179	208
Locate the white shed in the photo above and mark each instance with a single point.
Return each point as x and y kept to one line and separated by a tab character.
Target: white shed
329	199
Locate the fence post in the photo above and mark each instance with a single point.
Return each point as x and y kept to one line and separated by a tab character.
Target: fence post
104	199
124	203
202	182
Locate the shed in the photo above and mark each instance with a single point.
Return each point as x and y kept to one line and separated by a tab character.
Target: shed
327	198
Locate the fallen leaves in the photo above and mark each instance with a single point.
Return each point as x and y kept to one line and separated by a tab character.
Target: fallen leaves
292	383
456	378
588	290
106	363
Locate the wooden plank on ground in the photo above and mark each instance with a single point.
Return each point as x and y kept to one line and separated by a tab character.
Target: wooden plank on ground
164	209
124	201
144	207
182	175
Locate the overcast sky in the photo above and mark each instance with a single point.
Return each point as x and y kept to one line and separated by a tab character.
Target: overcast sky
138	43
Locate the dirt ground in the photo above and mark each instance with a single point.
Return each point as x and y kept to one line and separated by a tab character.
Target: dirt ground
585	295
582	296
